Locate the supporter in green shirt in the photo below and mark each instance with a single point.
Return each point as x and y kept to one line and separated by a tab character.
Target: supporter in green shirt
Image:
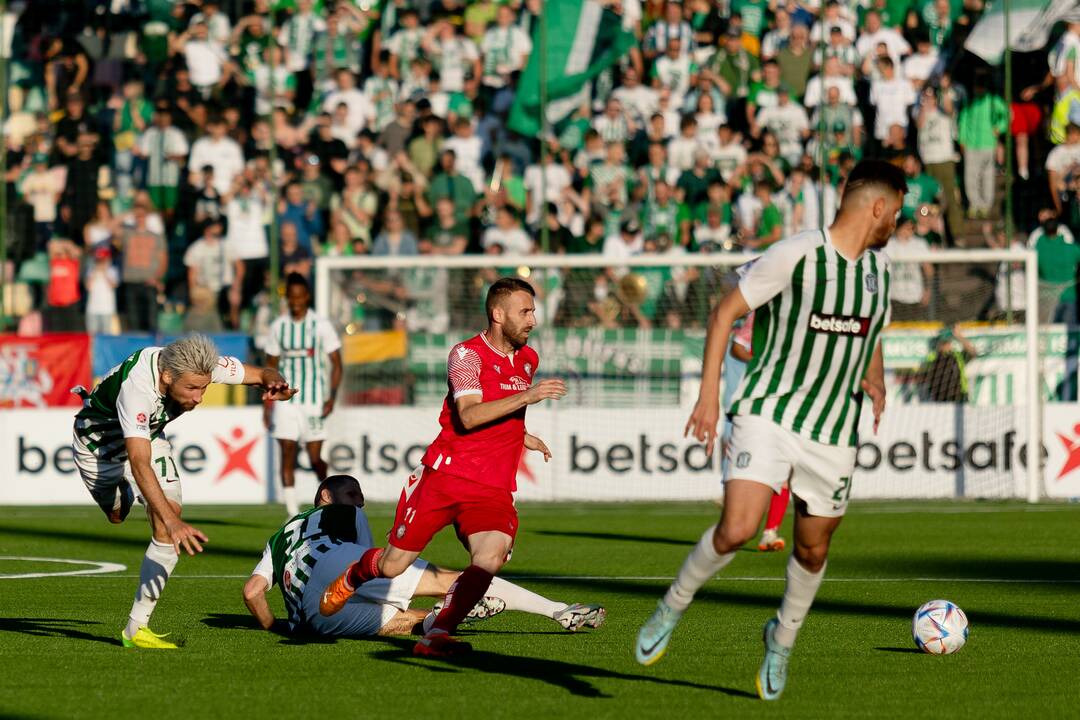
1059	261
922	189
733	68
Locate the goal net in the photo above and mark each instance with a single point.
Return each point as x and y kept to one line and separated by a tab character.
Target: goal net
962	364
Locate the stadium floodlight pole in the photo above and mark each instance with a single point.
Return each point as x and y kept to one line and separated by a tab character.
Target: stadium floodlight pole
821	139
274	254
545	240
1034	377
1007	209
4	44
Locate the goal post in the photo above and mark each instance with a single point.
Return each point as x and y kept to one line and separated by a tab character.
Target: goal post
627	334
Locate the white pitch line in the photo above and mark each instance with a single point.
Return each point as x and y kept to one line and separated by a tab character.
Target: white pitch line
96	568
669	578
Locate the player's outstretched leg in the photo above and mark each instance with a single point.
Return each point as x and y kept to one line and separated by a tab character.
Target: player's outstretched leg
337	593
805	571
744	504
158	563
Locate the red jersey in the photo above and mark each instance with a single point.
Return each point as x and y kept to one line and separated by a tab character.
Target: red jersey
488	454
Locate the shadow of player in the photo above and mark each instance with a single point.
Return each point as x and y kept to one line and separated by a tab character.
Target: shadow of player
566	675
55	627
280	628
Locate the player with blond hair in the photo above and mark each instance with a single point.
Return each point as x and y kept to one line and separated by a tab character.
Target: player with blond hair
123	454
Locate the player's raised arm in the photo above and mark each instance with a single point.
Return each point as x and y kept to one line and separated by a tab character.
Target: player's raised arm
703	420
474	412
274	384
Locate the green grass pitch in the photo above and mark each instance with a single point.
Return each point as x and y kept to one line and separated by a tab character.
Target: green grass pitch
1014	569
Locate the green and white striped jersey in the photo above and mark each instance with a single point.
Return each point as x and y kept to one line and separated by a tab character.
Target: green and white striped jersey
303	346
127	403
818	319
333	535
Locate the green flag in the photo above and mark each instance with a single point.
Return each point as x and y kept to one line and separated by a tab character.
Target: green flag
583	39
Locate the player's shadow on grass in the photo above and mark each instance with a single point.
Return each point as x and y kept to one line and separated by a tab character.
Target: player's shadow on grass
54	627
590	535
112	537
566	675
767	602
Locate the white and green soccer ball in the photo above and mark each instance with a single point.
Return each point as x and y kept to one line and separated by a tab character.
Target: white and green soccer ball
940	627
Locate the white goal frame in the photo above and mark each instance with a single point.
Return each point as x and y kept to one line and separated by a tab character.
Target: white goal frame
325	265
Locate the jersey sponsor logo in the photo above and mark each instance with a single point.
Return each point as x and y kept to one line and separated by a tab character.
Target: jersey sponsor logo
516	384
141	418
230	365
286	580
840	324
742	460
870	283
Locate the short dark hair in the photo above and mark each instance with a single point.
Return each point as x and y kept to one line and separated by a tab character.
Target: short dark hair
875	174
334	484
502	288
295	278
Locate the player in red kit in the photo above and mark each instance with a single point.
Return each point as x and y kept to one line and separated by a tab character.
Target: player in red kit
468	475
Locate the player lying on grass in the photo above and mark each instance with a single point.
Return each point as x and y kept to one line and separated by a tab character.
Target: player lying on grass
468	475
119	440
316	546
822	299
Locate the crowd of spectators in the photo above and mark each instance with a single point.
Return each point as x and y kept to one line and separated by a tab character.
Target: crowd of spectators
155	147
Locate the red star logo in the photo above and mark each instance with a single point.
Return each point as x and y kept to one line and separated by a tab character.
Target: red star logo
237	456
1072	447
524	469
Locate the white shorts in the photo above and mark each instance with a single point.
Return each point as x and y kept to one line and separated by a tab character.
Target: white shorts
373	604
112	484
820	475
300	423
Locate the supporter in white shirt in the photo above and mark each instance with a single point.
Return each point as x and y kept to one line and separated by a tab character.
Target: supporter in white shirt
216	21
220	152
453	55
507	234
206	60
875	33
467	148
681	150
789	123
504	49
834	17
729	154
919	66
910	280
639	101
554	177
361	109
831	76
675	71
626	244
892	97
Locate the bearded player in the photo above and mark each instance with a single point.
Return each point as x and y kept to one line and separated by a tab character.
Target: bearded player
467	477
313	548
119	441
821	301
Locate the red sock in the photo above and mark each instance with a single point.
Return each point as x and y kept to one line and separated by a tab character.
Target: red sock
366	568
462	596
777	508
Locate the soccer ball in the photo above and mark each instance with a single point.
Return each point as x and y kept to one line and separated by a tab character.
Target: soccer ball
939	627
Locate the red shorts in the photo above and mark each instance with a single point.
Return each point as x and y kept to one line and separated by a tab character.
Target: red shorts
435	499
1026	118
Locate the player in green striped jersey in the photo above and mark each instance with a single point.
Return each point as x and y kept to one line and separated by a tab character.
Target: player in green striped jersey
312	549
821	299
301	344
119	440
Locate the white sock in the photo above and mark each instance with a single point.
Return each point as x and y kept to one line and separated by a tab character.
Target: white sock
701	564
157	565
518	598
288	496
802	586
